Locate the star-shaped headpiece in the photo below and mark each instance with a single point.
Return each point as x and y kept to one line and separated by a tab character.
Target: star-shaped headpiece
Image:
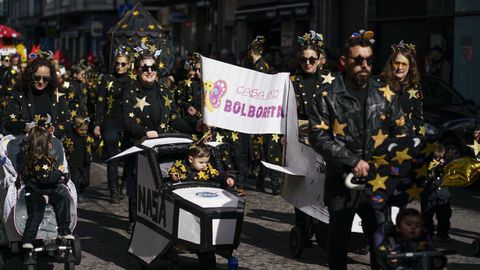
363	34
311	38
257	44
404	47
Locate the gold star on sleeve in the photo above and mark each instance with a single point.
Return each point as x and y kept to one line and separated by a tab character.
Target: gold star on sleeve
423	130
379	160
322	126
168	102
401	156
234	136
37	168
328	79
387	93
400	121
219	138
412	93
275	138
378	182
475	146
338	128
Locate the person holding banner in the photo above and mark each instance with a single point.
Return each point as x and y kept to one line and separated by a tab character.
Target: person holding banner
351	114
148	110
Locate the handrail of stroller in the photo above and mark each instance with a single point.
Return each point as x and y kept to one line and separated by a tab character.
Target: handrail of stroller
185	184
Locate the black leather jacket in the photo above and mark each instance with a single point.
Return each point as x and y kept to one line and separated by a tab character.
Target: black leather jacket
335	124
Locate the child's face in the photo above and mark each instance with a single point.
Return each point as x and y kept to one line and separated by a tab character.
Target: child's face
199	164
410	227
82	130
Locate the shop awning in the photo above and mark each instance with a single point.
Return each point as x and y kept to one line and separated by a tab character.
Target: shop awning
7	32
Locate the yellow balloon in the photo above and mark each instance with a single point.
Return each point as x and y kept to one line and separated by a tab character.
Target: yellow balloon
461	172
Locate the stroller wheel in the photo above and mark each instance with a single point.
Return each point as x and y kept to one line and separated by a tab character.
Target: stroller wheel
476	247
77	250
69	265
296	241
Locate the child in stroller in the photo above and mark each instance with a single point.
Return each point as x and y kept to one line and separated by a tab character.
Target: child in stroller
406	237
43	180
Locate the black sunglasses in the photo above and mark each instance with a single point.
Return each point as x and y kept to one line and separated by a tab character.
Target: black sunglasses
359	60
45	79
310	60
122	64
145	68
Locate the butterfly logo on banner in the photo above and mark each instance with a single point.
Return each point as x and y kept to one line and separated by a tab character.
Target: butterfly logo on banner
214	93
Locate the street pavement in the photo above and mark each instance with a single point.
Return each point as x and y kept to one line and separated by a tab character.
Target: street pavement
265	236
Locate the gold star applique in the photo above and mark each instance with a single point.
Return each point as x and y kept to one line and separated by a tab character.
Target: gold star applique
234	136
135	13
84	91
414	192
163	126
89	150
324	93
400	121
306	36
338	128
152	48
132	75
100	99
168	102
387	93
68	142
188	82
109	85
135	55
37	168
161	65
144	40
328	79
151	27
37	118
61	127
194	137
131	115
202	175
412	93
124	26
475	146
293	77
421	172
178	163
379	138
423	130
71	95
219	138
58	94
379	160
110	101
73	113
378	182
275	138
141	103
383	117
401	156
322	126
66	85
13	117
261	140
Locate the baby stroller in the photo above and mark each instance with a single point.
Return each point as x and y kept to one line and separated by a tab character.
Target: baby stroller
174	218
15	214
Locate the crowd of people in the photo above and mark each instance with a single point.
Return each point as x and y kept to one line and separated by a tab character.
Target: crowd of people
348	114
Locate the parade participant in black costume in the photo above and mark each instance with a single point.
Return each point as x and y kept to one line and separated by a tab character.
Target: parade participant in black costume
43	179
109	121
351	114
305	82
148	110
189	91
77	91
78	149
8	77
37	96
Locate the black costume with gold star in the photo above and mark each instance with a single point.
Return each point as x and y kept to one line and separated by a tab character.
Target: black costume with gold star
411	101
32	105
76	94
8	78
305	85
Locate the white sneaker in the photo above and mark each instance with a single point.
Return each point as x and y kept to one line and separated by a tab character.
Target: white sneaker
27	246
67	237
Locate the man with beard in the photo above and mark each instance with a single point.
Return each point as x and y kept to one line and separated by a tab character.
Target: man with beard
351	114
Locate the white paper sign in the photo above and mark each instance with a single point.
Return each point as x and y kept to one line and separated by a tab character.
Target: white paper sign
243	100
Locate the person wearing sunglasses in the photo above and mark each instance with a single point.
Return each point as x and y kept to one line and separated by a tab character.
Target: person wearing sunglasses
351	114
108	122
148	110
36	96
188	94
8	77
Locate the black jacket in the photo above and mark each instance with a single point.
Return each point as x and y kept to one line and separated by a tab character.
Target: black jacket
109	98
138	112
336	129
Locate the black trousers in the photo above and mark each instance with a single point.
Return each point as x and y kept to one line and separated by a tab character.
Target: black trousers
271	150
340	225
58	198
80	177
443	212
241	156
112	135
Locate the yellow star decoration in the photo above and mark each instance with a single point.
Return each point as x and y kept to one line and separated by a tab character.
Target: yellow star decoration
124	26
110	101
151	27
322	126
324	93
379	138
100	99
163	126
71	95
421	172
66	85
387	93
429	148
401	156
379	160
423	130
13	117
412	93
131	114
37	118
58	95
414	192
306	36
234	136
178	163
202	175
61	127
45	167
109	85
68	142
188	82
168	102
378	182
161	65
152	48
73	113
219	138
194	137
383	117
338	128
328	79
141	103
275	138
37	168
400	121
260	140
475	146
135	13
132	75
144	40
